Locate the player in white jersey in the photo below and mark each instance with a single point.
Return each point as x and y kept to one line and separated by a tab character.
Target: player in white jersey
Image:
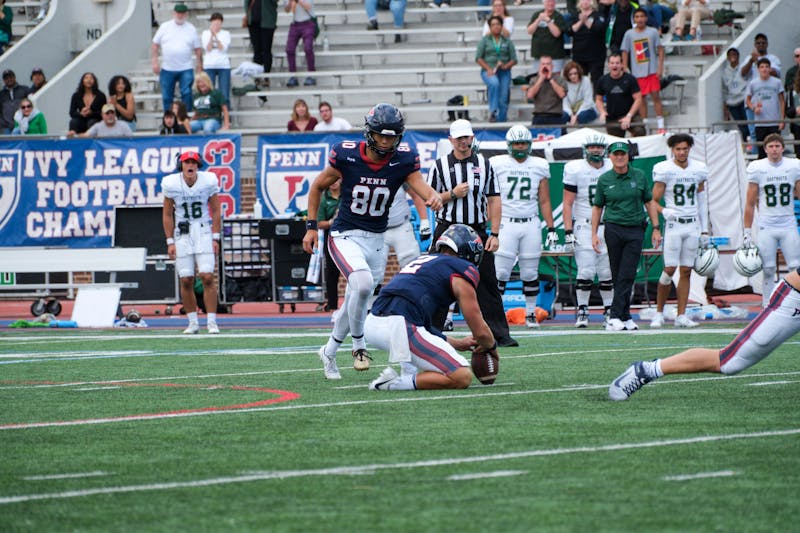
192	222
772	184
681	182
580	181
524	192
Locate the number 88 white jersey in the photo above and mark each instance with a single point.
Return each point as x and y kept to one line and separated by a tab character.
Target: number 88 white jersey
191	203
519	184
776	185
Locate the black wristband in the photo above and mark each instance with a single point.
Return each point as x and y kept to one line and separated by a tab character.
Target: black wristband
657	228
551	229
311	224
567	232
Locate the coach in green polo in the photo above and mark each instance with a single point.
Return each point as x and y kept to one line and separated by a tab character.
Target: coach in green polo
624	200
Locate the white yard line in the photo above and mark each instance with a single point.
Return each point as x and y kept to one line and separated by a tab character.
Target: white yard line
485	475
350	470
701	475
768	383
77	475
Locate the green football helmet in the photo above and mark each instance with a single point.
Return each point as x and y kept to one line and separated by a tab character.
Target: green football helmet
519	133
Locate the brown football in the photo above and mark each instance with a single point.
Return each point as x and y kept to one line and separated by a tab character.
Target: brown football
485	366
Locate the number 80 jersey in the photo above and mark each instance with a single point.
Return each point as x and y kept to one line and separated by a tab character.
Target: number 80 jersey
368	188
191	203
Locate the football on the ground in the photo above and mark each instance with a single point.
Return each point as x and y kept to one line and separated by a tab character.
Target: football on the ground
485	365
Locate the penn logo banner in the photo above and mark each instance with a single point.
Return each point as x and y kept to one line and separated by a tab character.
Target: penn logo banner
286	172
63	193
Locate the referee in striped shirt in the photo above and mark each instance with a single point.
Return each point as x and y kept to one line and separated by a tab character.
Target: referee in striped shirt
468	186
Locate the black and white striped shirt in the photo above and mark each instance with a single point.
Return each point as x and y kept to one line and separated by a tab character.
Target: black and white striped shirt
476	170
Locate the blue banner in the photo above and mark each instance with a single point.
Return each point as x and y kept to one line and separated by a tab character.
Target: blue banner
63	192
287	164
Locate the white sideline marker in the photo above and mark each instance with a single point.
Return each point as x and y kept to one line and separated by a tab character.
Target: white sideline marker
484	475
77	475
701	475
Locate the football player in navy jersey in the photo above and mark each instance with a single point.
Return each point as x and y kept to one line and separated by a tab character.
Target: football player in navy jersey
371	171
401	319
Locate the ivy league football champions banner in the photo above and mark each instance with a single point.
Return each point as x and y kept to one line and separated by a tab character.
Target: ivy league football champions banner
63	192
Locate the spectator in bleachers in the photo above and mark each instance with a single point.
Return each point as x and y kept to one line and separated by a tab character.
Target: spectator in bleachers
578	105
496	55
658	16
330	123
619	14
766	98
6	18
547	28
37	80
547	92
588	34
793	110
109	126
11	95
178	40
210	109
120	96
695	11
170	124
733	92
29	120
790	73
499	10
398	9
643	54
216	62
302	27
301	118
261	19
182	115
760	49
618	98
86	104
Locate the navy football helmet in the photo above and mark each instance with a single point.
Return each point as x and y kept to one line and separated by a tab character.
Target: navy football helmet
384	119
463	241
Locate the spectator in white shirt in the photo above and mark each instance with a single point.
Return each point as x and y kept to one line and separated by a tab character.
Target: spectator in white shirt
328	122
579	105
178	40
216	62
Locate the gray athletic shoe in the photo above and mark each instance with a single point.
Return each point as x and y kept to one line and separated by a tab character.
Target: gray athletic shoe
633	379
331	370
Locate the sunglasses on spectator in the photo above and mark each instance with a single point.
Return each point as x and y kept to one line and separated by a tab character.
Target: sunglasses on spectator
26	106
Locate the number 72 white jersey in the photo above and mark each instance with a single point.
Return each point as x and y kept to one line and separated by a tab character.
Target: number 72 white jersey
519	184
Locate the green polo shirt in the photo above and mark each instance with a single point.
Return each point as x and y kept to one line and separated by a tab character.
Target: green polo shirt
327	206
623	196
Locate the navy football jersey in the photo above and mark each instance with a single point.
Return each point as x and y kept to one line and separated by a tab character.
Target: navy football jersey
368	188
423	287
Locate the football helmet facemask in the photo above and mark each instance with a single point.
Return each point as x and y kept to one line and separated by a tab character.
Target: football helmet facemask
519	134
384	119
463	240
595	140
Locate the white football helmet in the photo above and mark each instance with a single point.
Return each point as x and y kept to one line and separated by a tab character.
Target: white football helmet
747	261
706	261
595	140
519	133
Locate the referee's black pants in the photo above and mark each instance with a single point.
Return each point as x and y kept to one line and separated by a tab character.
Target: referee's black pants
624	245
489	298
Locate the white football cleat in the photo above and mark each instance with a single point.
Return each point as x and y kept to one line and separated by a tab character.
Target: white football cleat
213	328
583	318
331	370
633	379
683	321
630	325
386	378
658	320
192	329
615	324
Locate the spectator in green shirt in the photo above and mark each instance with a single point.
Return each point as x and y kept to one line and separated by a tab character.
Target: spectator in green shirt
29	120
209	105
496	55
328	207
622	196
6	18
547	28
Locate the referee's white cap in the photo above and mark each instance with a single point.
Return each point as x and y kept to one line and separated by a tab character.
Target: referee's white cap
461	128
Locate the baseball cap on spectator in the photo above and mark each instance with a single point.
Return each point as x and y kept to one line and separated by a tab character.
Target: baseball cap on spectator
108	107
8	73
180	8
461	128
216	16
37	70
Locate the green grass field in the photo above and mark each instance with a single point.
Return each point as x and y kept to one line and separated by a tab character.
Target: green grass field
152	431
